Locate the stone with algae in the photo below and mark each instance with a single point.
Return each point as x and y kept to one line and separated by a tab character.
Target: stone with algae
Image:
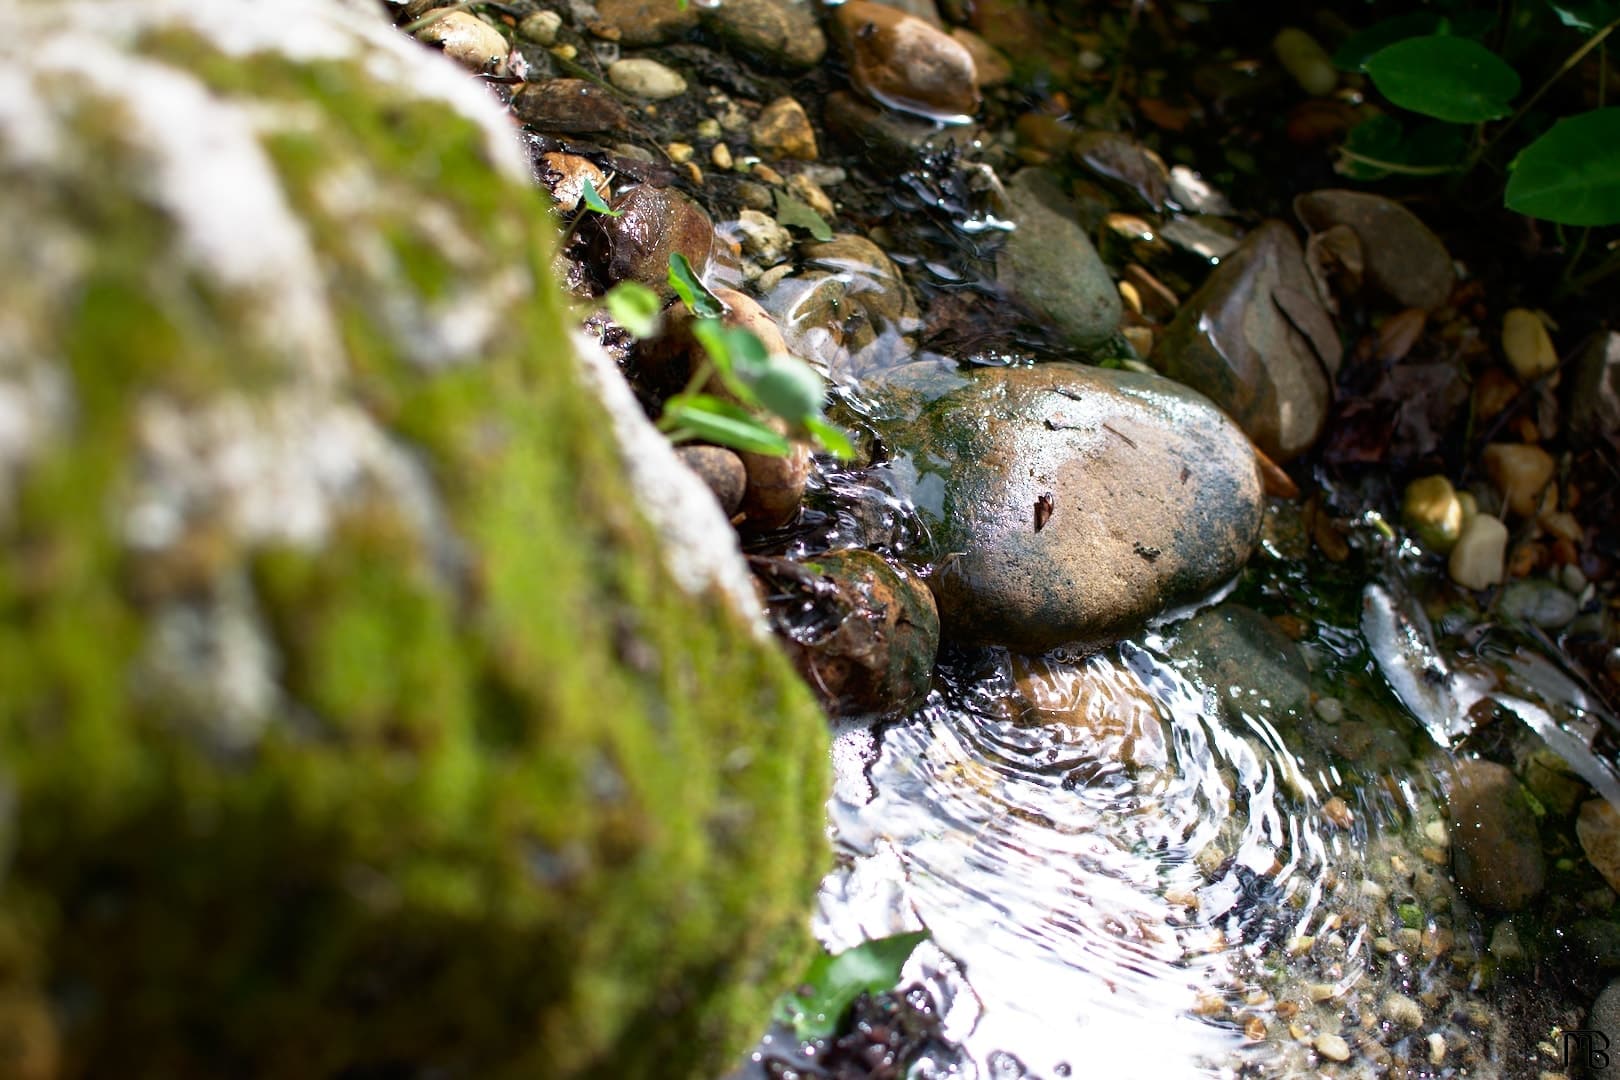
379	693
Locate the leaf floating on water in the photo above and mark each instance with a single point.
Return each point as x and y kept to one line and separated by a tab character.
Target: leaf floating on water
793	211
832	983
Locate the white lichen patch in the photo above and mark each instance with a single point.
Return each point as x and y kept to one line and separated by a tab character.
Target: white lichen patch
211	665
698	545
281	468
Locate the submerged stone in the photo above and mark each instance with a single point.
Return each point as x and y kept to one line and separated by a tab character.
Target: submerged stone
1256	338
1403	259
1248	661
1067	504
377	686
1495	846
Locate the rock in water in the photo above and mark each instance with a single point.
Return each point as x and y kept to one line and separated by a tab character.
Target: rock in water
384	697
1067	504
1256	338
1495	848
1048	262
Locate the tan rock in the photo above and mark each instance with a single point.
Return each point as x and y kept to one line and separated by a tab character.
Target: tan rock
469	41
564	175
783	130
1598	828
1521	472
648	22
902	62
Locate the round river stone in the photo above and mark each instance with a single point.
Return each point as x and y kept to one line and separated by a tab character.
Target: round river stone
1067	504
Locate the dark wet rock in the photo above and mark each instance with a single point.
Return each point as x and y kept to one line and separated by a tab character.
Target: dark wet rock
653	224
779	33
1596	941
861	630
783	130
648	22
1123	164
1256	338
882	136
1048	263
1402	258
1495	847
901	61
1067	504
1253	667
443	736
1207	238
569	106
721	470
1605	1018
1551	780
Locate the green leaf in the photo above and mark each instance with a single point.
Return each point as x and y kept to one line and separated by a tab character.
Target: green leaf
634	307
738	355
1588	16
697	298
1447	78
789	387
1382	145
834	982
1571	175
792	211
1362	45
702	416
594	201
831	437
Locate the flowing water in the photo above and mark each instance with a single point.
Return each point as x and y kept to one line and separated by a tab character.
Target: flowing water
1216	849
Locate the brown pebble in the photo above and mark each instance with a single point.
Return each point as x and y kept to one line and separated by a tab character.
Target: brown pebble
783	130
568	106
721	469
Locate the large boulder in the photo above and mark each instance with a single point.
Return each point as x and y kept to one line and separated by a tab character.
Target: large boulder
380	696
1065	505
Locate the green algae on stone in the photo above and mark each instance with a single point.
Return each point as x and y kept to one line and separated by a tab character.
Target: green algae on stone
357	716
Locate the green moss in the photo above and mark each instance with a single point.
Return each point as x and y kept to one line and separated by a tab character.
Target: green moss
539	813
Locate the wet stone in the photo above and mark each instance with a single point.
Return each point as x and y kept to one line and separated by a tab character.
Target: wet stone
1123	164
879	135
1496	849
564	175
1605	1017
721	471
1540	603
901	61
1048	262
648	22
1256	338
779	33
1247	660
1403	260
1067	504
568	106
654	223
862	630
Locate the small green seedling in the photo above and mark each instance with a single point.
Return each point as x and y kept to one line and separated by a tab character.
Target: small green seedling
832	983
593	200
636	308
693	293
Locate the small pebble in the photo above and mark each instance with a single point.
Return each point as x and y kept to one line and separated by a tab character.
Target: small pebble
680	153
1400	1009
1437	1048
1333	1047
646	79
720	154
708	128
540	27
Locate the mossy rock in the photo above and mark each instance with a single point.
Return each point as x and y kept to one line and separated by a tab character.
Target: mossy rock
373	704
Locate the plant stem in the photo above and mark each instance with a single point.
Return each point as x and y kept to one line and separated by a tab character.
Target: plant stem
1518	114
1396	166
438	13
1585	281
